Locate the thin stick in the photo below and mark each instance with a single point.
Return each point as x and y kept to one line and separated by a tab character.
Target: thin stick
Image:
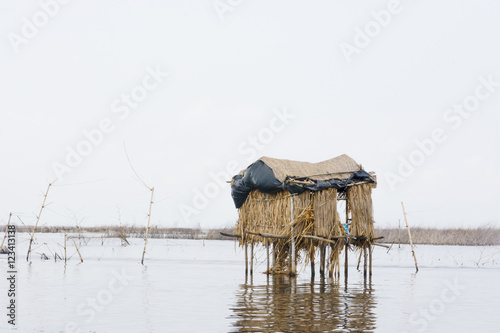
409	235
359	259
65	257
78	251
399	235
37	220
6	229
147	228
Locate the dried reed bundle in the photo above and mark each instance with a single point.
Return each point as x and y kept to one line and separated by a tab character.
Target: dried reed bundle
361	209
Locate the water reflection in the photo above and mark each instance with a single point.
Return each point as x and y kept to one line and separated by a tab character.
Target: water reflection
282	305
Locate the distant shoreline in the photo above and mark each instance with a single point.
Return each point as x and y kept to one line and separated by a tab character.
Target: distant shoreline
482	236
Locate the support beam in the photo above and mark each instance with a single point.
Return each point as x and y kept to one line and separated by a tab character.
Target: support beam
251	258
229	235
312	261
330	272
365	255
322	251
292	239
321	238
267	255
275	257
246	259
370	250
265	235
346	245
346	263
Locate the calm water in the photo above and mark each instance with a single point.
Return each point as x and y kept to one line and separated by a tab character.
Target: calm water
200	286
283	305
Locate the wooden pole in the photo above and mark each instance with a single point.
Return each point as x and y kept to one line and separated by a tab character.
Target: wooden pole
267	255
37	220
292	272
359	259
78	251
275	256
251	258
312	261
330	273
322	251
147	228
346	262
346	245
365	266
246	258
370	250
6	231
338	269
409	235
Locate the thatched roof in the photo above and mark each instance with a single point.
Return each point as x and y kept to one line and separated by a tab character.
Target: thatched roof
270	175
340	167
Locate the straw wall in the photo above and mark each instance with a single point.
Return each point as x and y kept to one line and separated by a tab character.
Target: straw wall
361	208
315	213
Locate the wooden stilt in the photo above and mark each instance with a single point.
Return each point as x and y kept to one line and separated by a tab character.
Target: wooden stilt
322	259
267	255
246	259
292	240
370	249
338	269
346	244
366	261
312	261
274	257
251	258
346	263
330	273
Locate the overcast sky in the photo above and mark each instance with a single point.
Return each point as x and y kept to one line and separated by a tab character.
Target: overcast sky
197	90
